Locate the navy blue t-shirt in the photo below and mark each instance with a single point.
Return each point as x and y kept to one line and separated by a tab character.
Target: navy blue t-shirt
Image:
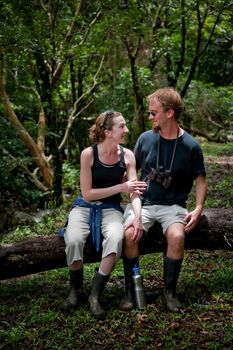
188	164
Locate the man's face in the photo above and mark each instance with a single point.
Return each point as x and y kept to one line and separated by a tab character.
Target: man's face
157	115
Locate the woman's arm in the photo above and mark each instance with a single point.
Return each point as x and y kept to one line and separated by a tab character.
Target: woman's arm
92	194
135	197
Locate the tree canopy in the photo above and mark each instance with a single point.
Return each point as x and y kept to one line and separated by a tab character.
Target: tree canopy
64	62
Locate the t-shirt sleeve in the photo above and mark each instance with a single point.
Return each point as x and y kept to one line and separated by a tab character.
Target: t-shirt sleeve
198	162
137	151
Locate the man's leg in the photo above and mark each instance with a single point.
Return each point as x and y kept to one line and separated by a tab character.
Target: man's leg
131	252
172	264
130	258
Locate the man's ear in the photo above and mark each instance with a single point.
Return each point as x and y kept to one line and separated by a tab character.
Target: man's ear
170	113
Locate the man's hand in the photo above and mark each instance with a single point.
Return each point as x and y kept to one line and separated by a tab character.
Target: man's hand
192	219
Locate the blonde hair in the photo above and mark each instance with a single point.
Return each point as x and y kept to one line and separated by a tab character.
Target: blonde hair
169	99
104	121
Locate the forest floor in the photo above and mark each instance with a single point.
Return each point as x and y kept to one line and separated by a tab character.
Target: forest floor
30	315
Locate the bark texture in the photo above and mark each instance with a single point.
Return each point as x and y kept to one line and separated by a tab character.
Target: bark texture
214	232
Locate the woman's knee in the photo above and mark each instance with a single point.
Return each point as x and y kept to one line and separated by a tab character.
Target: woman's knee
73	240
74	249
115	241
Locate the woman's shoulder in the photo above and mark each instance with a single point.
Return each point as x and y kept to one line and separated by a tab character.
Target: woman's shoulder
128	153
126	150
87	152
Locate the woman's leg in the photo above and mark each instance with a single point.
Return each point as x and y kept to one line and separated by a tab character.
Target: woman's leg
75	237
112	231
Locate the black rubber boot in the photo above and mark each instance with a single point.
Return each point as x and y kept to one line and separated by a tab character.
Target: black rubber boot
99	282
76	291
128	301
171	275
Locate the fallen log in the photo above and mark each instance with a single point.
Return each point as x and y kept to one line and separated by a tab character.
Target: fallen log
32	255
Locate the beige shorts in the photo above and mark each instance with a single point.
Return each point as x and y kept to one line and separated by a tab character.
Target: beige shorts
166	215
78	230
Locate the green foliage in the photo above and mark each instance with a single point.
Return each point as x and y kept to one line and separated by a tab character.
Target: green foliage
219	175
70	178
17	334
213	149
211	109
48	225
14	184
220	192
139	40
122	99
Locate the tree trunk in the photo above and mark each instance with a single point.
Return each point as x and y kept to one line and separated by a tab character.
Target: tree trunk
215	231
31	145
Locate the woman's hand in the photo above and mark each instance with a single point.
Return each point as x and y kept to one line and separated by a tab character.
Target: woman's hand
134	186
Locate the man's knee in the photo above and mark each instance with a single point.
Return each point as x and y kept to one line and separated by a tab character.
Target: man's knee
175	237
128	238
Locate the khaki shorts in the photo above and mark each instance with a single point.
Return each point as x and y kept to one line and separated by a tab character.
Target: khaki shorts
78	230
166	215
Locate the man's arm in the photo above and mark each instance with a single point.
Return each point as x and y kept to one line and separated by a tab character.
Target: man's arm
193	217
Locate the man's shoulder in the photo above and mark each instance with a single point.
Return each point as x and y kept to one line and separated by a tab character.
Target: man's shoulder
190	140
148	134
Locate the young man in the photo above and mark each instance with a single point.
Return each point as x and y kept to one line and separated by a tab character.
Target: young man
170	161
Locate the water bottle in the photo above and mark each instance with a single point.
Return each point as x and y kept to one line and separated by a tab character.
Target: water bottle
138	288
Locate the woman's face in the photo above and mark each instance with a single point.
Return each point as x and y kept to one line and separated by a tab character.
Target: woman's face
119	129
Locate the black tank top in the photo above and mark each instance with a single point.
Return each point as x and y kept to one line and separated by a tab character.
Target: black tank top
104	175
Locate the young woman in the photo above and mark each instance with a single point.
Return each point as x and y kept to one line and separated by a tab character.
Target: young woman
103	168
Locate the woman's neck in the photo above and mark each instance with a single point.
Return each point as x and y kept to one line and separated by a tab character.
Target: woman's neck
108	153
108	148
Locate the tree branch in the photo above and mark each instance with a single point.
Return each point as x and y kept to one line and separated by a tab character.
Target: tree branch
69	36
41	132
74	113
